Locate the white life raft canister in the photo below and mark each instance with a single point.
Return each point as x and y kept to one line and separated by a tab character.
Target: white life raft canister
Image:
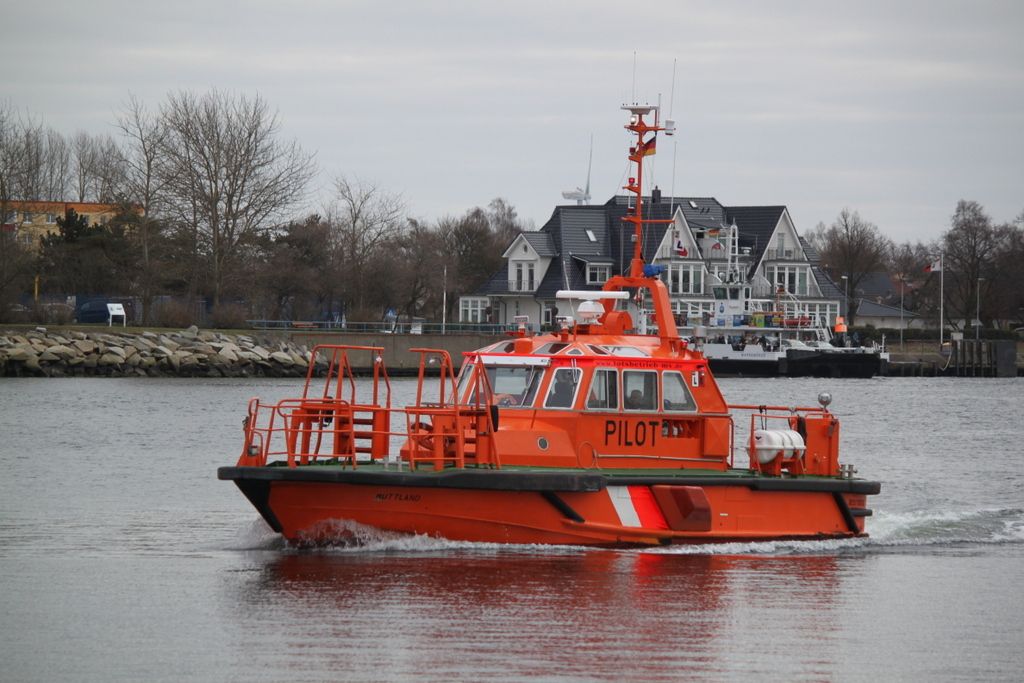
768	443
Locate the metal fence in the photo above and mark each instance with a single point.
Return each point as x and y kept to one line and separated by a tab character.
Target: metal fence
382	327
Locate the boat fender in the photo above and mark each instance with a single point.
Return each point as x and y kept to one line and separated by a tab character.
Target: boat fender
327	415
799	424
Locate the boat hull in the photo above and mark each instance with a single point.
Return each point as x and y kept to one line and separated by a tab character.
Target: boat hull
798	363
315	505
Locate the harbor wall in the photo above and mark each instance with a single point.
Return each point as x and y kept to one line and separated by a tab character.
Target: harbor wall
107	352
92	352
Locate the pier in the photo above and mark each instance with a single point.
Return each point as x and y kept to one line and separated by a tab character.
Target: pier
960	358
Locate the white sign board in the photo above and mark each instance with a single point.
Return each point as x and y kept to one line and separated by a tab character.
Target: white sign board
116	310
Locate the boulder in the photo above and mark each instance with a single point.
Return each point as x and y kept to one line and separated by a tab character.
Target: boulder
166	342
282	358
85	345
21	354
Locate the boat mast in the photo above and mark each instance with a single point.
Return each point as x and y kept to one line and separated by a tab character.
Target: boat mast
637	153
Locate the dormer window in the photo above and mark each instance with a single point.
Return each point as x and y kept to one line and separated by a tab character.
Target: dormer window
598	274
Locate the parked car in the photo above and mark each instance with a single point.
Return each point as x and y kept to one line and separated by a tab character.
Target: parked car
16	313
93	311
58	313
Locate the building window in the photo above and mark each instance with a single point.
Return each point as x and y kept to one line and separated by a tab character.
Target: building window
28	218
685	279
523	277
26	239
473	311
598	274
51	219
548	316
591	236
793	279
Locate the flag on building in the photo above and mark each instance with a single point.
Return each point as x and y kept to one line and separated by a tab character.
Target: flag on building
648	148
680	249
713	232
935	266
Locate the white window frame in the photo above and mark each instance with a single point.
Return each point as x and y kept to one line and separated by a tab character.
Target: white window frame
598	273
473	310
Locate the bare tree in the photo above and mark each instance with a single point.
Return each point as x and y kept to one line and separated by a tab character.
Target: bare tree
85	160
505	222
16	261
969	251
1005	300
367	222
230	179
109	172
144	192
57	170
853	248
420	281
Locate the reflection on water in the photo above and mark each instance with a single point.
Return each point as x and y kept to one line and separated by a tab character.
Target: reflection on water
528	614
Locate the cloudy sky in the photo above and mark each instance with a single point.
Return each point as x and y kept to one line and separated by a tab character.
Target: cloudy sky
895	109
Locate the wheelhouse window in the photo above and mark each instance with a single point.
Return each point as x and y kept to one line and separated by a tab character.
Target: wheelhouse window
550	349
640	389
677	396
604	390
562	392
627	351
511	386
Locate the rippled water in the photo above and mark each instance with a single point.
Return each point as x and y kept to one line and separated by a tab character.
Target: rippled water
122	557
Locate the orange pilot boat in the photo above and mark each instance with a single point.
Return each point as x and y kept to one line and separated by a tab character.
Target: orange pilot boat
594	435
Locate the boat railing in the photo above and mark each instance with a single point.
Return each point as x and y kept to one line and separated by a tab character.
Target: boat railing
440	433
796	440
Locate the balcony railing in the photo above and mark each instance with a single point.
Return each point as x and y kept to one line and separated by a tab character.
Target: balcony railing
514	286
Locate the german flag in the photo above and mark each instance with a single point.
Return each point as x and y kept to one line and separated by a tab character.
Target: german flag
648	148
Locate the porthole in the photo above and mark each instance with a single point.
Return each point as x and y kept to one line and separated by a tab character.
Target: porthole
542	443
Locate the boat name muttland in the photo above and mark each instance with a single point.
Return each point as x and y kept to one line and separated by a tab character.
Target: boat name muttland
412	498
622	430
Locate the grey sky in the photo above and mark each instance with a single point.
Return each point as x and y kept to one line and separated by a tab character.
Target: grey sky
895	109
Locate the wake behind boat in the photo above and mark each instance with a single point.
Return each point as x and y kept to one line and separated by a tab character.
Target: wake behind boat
593	435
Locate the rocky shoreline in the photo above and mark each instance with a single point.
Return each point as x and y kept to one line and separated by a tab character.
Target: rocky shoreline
189	353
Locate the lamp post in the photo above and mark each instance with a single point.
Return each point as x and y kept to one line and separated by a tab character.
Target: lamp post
977	311
846	297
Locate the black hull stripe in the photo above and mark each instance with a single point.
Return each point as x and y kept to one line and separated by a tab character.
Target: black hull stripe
504	480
